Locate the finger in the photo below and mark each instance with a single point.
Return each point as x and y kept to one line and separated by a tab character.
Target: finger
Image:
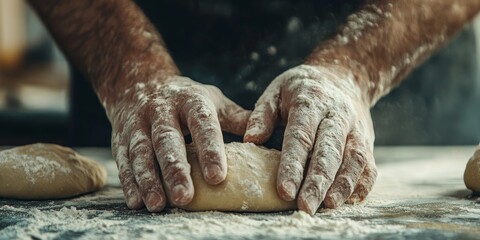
146	171
203	124
354	160
169	147
264	117
232	117
125	174
324	164
365	183
299	137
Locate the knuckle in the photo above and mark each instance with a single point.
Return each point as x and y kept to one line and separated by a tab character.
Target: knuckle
306	100
162	134
139	150
139	141
303	135
126	176
331	149
345	183
162	108
175	173
142	164
320	173
201	112
145	179
359	156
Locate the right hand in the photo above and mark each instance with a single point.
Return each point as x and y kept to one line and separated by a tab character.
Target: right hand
327	152
149	121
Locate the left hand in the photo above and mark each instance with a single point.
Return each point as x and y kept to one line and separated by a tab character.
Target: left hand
327	120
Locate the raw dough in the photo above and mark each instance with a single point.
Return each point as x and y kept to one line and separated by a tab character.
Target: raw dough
250	185
472	172
47	171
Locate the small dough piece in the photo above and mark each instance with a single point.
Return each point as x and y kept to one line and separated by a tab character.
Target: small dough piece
471	176
47	171
250	185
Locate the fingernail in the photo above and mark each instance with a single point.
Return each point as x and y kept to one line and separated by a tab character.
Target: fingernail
180	195
154	201
247	137
133	199
213	173
131	202
312	204
354	199
335	200
252	131
290	189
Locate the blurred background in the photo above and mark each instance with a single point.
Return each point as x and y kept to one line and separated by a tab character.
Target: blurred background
42	99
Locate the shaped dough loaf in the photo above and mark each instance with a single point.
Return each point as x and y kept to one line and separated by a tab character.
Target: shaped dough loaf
250	185
471	176
47	171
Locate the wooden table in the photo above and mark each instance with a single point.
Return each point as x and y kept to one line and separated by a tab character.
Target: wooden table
419	194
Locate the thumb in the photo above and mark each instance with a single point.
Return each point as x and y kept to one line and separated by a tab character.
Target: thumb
233	118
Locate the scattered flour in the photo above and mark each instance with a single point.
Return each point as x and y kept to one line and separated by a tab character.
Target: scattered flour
251	188
272	50
254	56
88	224
401	206
293	24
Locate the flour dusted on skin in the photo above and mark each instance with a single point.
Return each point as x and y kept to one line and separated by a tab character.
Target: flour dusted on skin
324	108
308	78
33	166
422	50
357	23
149	122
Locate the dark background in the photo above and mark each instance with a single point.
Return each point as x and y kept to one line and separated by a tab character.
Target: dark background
240	46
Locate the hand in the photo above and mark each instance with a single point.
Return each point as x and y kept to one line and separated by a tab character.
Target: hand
328	123
149	121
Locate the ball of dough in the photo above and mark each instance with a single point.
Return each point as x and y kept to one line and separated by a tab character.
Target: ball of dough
472	172
250	185
47	171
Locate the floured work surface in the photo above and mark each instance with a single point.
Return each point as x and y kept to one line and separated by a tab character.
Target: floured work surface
419	194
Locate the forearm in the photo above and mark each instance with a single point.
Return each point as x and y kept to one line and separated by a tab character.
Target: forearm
108	40
385	40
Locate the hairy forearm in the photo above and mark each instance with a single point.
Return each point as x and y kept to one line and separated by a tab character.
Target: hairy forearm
108	40
386	39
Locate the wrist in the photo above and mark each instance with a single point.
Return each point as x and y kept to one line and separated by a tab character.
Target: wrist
347	68
131	80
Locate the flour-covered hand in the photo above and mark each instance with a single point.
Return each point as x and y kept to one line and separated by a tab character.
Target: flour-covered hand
328	142
149	122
